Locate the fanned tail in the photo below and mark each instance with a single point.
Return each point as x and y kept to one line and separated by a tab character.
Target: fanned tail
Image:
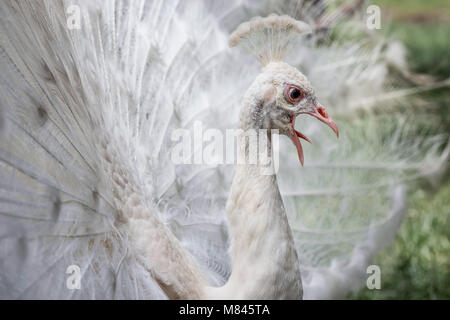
70	193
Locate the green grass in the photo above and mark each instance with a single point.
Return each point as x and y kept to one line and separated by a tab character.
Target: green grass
401	9
424	27
429	53
428	44
417	264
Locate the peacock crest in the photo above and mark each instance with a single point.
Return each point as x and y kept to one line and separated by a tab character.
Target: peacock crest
268	39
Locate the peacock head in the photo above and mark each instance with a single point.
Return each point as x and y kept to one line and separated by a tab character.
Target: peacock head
281	91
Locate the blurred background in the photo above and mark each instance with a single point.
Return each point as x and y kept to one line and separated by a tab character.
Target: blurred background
417	264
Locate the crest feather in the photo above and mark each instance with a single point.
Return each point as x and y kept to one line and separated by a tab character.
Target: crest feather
269	38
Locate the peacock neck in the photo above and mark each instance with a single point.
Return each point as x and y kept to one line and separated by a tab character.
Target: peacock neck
263	257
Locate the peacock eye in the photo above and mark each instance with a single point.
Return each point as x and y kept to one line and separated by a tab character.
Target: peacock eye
293	94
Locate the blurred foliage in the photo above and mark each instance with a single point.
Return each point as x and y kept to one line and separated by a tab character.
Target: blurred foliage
417	264
429	46
424	27
414	9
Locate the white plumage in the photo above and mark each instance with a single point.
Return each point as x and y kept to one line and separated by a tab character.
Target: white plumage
86	176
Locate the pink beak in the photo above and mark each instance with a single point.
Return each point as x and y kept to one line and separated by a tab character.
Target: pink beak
319	113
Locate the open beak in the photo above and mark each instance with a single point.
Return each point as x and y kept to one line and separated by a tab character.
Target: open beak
319	113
